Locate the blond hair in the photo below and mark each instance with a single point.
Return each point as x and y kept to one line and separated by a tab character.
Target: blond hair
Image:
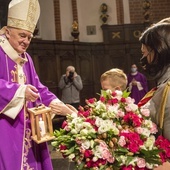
117	78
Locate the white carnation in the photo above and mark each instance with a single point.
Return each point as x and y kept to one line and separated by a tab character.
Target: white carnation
86	144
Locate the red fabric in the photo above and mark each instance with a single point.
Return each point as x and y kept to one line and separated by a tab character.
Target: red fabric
147	97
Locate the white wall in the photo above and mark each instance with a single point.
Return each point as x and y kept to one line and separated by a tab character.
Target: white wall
46	21
126	11
66	19
88	15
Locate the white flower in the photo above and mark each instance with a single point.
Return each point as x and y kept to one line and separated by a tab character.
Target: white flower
76	120
71	156
146	132
115	130
148	123
149	143
84	132
150	166
78	126
130	100
97	151
108	91
100	106
95	159
131	107
73	115
107	133
118	94
133	161
86	144
112	110
69	126
74	131
106	125
102	129
122	159
98	121
92	143
86	125
104	115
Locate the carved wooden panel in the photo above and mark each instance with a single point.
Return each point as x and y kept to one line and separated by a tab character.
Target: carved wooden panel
85	66
127	33
66	59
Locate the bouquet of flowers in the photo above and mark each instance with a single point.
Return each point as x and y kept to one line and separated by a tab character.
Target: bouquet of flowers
111	133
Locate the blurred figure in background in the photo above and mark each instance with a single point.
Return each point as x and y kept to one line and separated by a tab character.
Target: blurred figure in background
71	85
137	84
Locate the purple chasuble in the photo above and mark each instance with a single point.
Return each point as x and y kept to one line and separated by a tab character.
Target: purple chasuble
17	150
135	92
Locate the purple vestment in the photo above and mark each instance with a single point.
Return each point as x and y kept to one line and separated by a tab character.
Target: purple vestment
137	91
17	150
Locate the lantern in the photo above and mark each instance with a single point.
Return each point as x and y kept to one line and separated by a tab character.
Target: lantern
41	124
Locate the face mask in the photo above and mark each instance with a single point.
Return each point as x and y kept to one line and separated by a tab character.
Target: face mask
144	62
133	70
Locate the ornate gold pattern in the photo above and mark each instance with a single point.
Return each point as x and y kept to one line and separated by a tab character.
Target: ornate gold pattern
115	35
30	23
104	16
14	74
18	75
137	33
27	146
146	7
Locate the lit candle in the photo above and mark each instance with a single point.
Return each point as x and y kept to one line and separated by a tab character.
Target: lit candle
42	127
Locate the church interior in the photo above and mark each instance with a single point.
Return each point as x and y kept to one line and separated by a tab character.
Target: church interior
93	36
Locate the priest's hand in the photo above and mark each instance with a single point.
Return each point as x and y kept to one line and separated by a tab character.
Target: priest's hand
31	93
72	108
60	108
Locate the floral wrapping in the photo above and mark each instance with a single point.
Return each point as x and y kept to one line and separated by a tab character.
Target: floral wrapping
112	133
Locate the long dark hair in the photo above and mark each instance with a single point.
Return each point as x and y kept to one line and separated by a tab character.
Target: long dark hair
157	38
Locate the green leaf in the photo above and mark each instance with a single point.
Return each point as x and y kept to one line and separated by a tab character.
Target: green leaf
129	159
125	94
71	150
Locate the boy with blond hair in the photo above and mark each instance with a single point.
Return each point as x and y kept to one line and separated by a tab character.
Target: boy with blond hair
113	79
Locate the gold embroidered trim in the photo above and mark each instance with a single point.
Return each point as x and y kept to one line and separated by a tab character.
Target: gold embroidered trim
29	22
27	146
163	103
